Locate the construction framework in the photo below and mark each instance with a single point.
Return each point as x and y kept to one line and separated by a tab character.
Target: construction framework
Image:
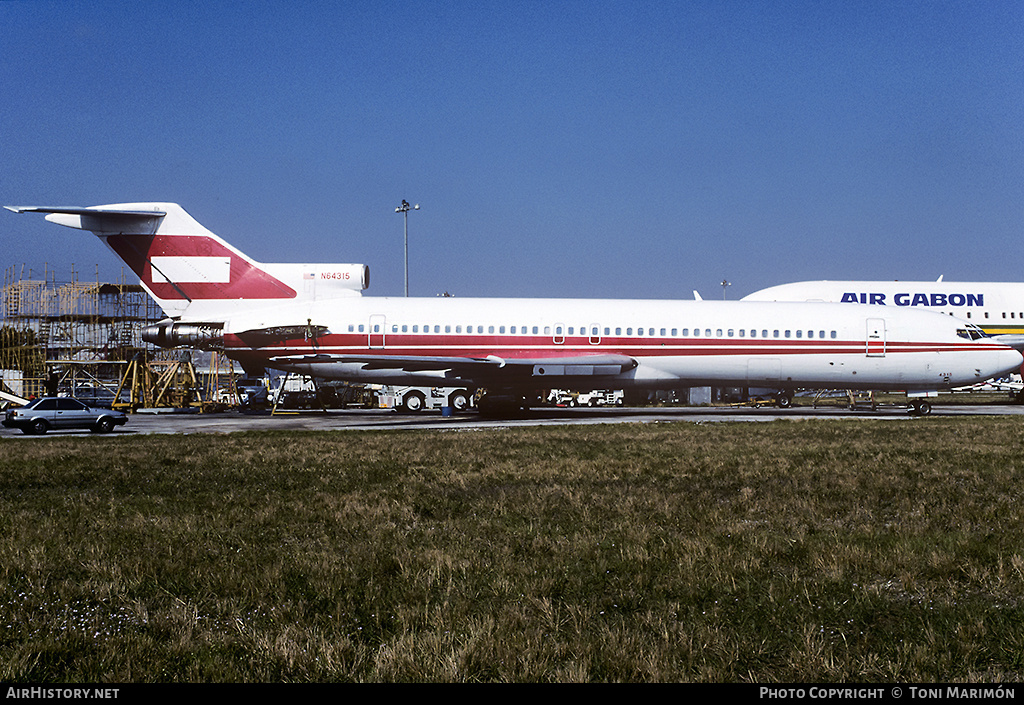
71	335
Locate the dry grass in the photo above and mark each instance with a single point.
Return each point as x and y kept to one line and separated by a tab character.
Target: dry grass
786	551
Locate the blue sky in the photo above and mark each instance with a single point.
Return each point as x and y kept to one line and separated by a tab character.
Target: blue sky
567	149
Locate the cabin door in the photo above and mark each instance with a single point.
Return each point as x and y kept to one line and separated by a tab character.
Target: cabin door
876	337
378	323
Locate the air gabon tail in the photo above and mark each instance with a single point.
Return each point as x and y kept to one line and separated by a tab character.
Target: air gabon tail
192	273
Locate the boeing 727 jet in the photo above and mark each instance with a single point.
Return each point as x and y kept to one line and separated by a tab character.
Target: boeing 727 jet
313	319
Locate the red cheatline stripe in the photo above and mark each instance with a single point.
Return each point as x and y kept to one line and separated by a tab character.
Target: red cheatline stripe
465	346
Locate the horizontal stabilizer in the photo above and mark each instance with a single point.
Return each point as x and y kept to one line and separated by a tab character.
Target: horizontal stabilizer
72	210
99	219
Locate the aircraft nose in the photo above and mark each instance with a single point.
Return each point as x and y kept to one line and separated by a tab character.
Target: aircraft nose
1010	360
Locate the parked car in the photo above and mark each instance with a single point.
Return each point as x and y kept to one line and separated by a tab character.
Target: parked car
59	413
252	393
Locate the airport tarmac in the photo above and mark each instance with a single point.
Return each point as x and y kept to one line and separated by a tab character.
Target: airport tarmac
385	419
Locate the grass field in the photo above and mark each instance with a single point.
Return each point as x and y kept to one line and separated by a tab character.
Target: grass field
772	552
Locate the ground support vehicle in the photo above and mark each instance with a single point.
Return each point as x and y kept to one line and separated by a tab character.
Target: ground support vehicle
595	397
416	399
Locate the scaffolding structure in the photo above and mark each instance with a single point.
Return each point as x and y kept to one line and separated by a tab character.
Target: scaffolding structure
70	335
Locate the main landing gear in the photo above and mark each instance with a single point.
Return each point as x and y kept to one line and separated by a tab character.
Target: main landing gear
920	407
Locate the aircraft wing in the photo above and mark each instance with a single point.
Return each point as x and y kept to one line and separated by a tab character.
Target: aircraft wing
490	367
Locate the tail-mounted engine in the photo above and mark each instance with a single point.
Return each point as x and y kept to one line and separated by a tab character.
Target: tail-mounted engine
169	334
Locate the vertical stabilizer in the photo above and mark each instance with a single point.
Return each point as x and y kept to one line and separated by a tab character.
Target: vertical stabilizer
191	272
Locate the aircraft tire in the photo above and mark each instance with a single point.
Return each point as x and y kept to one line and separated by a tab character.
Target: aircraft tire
920	407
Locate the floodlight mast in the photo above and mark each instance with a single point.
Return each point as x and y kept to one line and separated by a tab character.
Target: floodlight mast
404	210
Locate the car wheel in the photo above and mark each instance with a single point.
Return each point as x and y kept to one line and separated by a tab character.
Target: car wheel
37	428
104	426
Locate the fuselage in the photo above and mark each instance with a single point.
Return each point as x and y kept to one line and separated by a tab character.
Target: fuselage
674	343
995	307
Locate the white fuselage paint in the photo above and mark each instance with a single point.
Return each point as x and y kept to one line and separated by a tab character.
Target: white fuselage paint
996	307
682	343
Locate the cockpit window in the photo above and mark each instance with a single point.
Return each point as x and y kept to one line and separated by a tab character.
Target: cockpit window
970	332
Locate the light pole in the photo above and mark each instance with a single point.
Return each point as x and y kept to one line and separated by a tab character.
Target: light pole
404	209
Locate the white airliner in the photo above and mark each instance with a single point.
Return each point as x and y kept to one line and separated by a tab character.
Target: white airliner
312	319
995	307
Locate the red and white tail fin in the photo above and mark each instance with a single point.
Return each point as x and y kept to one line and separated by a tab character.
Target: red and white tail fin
190	271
